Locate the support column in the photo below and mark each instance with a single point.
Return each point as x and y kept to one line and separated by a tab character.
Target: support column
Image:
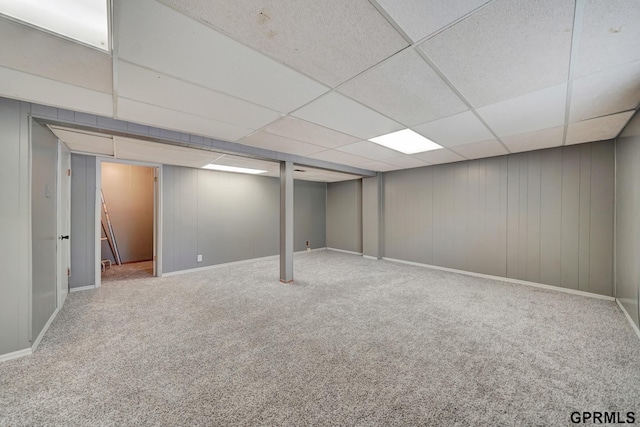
286	222
372	222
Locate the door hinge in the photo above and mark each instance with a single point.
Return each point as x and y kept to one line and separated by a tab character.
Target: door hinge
155	258
155	179
68	172
68	272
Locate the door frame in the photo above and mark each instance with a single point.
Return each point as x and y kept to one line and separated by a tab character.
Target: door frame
157	214
61	290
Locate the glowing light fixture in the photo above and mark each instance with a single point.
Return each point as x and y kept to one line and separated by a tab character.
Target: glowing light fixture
86	21
406	141
233	169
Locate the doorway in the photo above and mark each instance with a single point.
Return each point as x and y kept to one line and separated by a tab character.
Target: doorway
126	219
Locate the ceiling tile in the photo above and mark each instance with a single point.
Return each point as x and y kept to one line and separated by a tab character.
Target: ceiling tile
85	142
293	128
607	92
278	143
152	87
331	41
537	110
535	140
422	18
507	49
147	151
439	156
378	166
340	157
406	162
369	150
28	87
338	112
164	118
43	54
610	35
597	129
160	38
478	150
405	88
455	130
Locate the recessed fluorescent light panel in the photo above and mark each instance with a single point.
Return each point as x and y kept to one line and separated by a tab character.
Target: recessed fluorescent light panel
406	141
84	20
232	169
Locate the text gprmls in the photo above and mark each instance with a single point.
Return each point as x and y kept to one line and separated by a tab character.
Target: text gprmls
597	417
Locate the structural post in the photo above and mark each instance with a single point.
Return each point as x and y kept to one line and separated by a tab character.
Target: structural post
286	222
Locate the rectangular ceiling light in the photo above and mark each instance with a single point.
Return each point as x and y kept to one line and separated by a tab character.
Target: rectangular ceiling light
86	21
406	141
232	169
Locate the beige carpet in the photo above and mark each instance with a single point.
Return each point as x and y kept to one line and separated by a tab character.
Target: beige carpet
351	342
129	271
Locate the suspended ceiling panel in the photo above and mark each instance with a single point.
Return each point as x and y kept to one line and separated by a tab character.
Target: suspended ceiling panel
152	115
506	49
537	110
458	129
85	142
405	161
345	115
155	152
162	39
158	89
379	166
597	129
535	140
28	87
340	157
36	52
478	150
279	143
405	88
419	19
607	92
439	156
331	41
369	150
610	35
301	130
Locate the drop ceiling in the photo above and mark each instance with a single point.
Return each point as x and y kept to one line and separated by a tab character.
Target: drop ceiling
318	78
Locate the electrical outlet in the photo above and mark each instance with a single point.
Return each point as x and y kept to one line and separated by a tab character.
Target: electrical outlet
199	258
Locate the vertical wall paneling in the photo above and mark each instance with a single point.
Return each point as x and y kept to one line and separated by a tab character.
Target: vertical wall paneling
344	215
627	199
584	217
570	227
543	216
309	200
550	217
371	216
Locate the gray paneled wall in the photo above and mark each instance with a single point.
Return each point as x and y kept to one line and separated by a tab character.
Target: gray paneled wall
83	230
15	226
44	226
309	219
229	217
628	218
543	216
344	215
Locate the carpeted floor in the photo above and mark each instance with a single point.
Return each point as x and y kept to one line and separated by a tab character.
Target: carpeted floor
129	271
351	342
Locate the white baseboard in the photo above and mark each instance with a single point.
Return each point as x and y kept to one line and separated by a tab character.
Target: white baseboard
505	279
312	250
628	316
212	267
369	257
35	344
82	288
15	354
343	251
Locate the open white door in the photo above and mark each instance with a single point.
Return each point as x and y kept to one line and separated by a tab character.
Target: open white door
64	222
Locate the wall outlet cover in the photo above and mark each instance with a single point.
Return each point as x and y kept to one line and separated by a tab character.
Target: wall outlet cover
199	258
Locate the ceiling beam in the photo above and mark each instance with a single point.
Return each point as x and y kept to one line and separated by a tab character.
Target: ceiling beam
93	123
